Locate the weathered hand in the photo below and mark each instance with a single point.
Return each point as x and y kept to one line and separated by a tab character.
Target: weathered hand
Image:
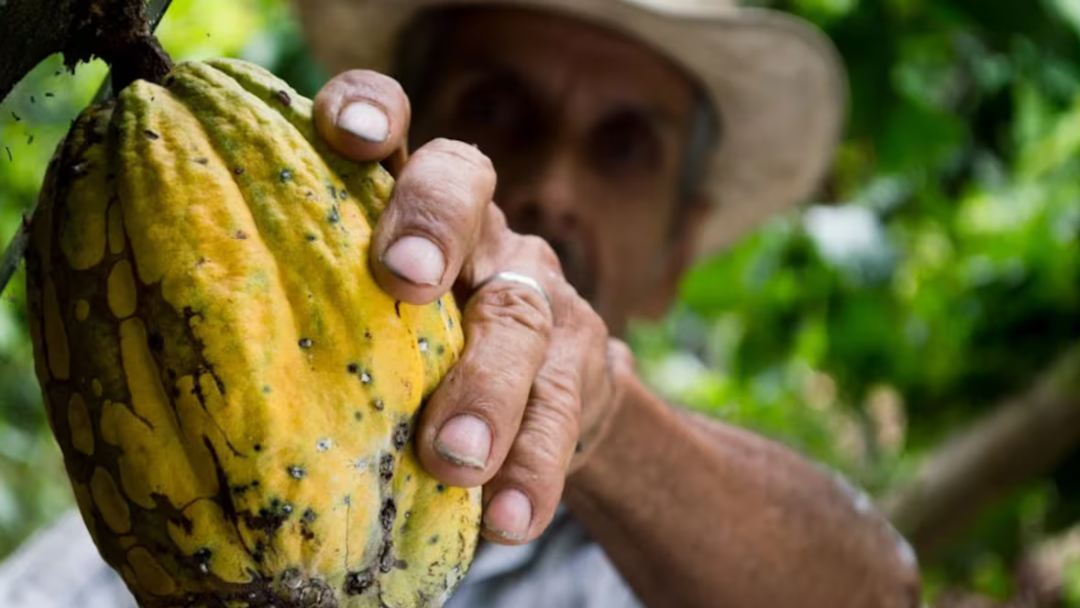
537	380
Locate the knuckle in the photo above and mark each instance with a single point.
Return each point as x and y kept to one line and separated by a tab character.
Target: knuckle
495	219
509	305
540	250
536	461
547	437
560	403
461	152
580	316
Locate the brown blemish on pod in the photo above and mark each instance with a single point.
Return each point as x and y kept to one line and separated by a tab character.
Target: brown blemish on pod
114	509
82	430
116	229
150	574
56	341
128	575
86	506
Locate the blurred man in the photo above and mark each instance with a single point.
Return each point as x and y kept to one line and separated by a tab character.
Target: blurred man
633	136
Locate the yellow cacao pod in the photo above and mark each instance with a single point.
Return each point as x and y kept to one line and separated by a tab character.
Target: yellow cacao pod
233	394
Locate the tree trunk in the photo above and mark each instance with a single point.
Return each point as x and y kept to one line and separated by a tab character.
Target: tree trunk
1021	439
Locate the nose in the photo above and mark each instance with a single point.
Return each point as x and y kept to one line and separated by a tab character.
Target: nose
547	203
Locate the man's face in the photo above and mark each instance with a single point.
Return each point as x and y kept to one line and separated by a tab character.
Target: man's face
587	131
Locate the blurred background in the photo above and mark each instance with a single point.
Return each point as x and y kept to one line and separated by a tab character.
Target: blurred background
917	327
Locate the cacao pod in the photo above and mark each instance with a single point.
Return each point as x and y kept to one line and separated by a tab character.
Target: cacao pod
233	394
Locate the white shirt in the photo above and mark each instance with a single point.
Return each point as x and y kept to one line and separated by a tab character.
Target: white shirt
60	568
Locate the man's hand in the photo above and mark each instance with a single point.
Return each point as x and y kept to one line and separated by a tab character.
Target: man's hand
539	375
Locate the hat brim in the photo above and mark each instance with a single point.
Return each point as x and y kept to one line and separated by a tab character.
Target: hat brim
777	83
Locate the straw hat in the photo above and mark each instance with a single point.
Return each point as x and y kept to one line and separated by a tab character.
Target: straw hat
776	81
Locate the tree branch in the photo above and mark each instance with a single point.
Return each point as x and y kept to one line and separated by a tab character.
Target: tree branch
114	30
30	31
1022	438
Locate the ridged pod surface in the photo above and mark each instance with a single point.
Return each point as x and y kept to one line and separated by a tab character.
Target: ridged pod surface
233	394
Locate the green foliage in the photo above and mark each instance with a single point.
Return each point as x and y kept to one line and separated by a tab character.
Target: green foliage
941	264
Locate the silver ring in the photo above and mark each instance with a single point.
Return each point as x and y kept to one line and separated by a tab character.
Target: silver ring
521	279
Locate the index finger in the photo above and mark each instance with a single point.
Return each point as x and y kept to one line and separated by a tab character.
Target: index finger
363	115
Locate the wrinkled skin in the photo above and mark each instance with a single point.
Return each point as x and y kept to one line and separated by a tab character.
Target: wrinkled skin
586	130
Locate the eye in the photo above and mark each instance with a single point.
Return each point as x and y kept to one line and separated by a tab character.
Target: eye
624	143
492	107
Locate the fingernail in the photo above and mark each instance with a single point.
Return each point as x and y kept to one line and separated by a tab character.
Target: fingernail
464	441
415	259
365	121
508	515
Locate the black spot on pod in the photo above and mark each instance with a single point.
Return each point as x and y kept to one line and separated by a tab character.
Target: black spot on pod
202	558
434	539
386	467
386	559
306	343
401	435
238	171
334	216
283	98
309	516
297	472
397	308
286	175
257	447
202	160
343	195
151	134
358	582
440	488
311	238
357	415
291	578
422	344
378	404
353	368
388	514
